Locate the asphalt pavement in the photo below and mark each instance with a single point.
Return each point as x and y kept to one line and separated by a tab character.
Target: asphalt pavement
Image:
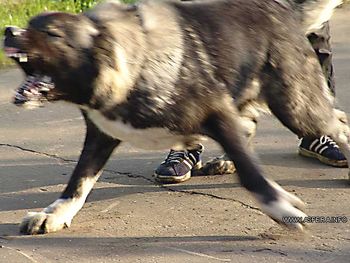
130	218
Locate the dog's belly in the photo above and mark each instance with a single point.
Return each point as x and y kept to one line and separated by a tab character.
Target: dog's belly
150	138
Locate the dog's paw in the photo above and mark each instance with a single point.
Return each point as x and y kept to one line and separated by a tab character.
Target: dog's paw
286	210
41	223
55	217
218	166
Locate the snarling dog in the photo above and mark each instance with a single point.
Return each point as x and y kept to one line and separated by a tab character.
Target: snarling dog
160	74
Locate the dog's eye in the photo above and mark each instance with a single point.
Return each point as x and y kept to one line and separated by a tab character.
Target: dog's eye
53	33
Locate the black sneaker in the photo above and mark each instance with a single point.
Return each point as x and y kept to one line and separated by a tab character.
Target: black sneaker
324	149
177	166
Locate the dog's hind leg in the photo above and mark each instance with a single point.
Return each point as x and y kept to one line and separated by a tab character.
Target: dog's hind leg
97	149
297	93
315	120
274	201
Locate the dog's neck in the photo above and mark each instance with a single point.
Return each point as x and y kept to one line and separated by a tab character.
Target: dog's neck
119	67
139	39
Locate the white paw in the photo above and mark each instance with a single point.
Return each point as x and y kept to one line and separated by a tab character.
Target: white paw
40	223
55	217
286	210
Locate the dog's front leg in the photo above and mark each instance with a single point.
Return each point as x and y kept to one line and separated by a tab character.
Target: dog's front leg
97	149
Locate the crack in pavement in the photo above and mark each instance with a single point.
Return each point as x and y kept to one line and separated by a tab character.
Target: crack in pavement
130	175
37	152
170	189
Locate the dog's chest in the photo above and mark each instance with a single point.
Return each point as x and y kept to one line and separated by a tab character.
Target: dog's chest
149	138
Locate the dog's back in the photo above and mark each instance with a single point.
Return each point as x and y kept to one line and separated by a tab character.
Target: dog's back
235	36
237	42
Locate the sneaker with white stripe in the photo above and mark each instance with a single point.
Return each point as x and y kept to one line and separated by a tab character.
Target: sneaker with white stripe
178	165
324	149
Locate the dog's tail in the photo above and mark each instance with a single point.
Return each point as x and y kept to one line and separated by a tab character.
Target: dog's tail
316	12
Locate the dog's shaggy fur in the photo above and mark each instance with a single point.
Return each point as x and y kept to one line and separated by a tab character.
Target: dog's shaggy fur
159	74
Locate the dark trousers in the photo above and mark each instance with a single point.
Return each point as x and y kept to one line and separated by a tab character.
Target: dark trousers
320	41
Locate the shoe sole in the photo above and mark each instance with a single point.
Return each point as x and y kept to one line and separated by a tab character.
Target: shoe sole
176	179
322	159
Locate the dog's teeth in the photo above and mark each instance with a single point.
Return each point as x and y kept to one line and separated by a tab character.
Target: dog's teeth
44	88
23	58
10	55
34	92
27	93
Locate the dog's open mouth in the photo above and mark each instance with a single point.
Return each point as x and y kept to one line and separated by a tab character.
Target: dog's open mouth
15	53
33	92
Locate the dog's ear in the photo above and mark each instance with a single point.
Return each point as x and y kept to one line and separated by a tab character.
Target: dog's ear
86	33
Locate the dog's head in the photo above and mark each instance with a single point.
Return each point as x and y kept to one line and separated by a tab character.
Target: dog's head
55	54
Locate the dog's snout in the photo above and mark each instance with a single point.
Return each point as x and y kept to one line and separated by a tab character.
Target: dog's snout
12	31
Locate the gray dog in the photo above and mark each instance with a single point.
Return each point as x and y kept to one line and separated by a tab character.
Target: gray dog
159	74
